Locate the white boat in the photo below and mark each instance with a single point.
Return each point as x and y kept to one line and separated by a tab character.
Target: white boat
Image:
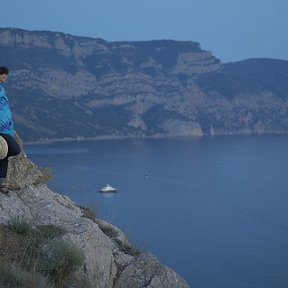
108	189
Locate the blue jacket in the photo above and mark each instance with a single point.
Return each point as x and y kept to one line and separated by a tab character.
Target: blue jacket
6	121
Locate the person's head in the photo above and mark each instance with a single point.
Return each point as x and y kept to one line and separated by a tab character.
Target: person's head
3	74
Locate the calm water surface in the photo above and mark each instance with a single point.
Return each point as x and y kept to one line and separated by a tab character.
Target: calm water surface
213	209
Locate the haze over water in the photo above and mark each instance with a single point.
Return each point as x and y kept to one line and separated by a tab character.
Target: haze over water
212	209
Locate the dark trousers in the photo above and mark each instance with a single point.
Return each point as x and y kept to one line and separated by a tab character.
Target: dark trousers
13	149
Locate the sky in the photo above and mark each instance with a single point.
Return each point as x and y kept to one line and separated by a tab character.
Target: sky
232	30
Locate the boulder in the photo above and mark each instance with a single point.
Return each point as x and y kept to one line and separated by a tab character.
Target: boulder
146	271
22	172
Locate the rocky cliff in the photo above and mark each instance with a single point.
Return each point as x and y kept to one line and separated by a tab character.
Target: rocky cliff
110	259
62	86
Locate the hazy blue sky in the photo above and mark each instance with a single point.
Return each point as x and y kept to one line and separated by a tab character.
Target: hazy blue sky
232	29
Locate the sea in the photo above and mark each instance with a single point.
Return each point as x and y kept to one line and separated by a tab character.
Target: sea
214	209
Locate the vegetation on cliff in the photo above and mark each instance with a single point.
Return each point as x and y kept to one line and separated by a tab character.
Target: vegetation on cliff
33	257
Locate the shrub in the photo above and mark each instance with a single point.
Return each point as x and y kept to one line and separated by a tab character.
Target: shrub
61	260
23	263
127	248
46	177
20	226
89	212
48	232
13	277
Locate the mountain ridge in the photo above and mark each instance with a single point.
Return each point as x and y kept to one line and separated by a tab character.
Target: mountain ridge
64	86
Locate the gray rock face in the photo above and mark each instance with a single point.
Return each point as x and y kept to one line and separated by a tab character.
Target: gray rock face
110	259
146	271
22	172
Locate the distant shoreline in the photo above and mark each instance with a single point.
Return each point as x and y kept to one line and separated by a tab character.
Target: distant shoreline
100	138
67	139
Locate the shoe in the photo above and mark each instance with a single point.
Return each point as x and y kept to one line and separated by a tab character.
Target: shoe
5	189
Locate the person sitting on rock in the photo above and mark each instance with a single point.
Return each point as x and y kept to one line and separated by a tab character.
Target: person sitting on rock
6	131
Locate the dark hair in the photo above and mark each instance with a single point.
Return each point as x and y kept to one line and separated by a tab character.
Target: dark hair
4	70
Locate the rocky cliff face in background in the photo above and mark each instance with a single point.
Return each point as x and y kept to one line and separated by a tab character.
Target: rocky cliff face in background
66	86
110	260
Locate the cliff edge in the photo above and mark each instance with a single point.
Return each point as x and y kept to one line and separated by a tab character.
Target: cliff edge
110	259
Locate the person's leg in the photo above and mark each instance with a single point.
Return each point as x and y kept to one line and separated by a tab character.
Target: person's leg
13	150
13	147
3	169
